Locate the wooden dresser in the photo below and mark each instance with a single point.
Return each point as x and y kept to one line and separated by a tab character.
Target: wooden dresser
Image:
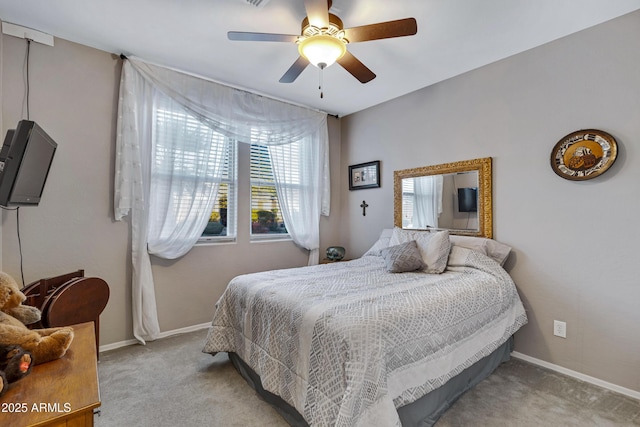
60	393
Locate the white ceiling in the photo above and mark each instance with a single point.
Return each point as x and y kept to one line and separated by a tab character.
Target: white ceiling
454	36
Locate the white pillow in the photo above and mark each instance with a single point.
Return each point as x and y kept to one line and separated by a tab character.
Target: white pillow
380	244
434	246
491	248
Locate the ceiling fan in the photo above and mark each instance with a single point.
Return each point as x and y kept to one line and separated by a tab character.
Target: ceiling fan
323	40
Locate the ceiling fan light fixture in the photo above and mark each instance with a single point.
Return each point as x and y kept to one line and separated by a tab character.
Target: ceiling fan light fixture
322	50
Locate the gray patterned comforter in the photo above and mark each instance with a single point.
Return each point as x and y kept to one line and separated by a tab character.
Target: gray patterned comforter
348	343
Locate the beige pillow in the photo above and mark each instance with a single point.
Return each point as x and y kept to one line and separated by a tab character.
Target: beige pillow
434	247
381	243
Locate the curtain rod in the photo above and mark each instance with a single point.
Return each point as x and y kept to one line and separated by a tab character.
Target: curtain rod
124	58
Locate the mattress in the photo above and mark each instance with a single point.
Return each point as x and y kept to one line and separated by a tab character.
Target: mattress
346	344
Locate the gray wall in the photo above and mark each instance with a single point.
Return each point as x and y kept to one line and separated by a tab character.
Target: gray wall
575	243
73	96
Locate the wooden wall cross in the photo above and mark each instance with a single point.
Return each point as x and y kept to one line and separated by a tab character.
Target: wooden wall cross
364	207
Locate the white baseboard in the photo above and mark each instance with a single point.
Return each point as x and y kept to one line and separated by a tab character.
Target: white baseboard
586	378
126	343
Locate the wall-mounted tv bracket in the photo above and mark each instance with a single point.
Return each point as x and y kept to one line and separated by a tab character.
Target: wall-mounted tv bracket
27	33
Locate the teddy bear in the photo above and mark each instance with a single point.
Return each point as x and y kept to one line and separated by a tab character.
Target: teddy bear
15	363
43	344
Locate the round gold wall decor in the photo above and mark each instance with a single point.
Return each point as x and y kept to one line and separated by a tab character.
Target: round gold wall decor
583	154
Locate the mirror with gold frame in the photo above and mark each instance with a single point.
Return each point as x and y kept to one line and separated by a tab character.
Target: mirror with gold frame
453	196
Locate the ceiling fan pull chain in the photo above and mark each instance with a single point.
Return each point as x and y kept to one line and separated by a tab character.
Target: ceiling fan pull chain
320	83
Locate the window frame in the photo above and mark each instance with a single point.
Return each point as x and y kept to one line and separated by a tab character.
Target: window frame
232	201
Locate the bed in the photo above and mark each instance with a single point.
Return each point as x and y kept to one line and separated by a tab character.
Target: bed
355	344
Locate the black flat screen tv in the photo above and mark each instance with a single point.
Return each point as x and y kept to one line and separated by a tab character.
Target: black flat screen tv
467	199
25	160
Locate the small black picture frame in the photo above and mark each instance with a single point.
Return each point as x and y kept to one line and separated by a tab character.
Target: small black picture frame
364	175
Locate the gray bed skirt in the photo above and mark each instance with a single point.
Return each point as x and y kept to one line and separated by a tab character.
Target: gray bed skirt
422	413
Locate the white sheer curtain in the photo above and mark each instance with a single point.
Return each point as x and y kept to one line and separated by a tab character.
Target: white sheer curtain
427	202
295	184
226	111
187	160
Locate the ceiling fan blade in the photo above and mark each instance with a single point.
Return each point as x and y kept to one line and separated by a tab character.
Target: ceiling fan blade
382	30
294	71
356	68
317	12
261	37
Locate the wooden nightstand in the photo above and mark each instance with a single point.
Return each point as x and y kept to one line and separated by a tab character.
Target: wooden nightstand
330	261
60	393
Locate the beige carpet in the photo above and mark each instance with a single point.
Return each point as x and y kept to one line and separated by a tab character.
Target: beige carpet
170	382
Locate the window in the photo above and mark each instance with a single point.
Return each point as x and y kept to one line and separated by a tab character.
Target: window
222	222
196	140
182	141
421	201
266	215
407	203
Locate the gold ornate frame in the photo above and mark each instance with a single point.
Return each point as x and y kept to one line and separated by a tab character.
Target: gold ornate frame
485	197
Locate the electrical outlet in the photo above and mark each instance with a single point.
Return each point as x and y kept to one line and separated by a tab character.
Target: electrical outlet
560	329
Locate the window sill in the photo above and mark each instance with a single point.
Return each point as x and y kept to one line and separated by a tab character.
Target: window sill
270	238
216	241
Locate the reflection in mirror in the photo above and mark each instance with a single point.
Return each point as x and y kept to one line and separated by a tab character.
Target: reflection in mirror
454	196
441	201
